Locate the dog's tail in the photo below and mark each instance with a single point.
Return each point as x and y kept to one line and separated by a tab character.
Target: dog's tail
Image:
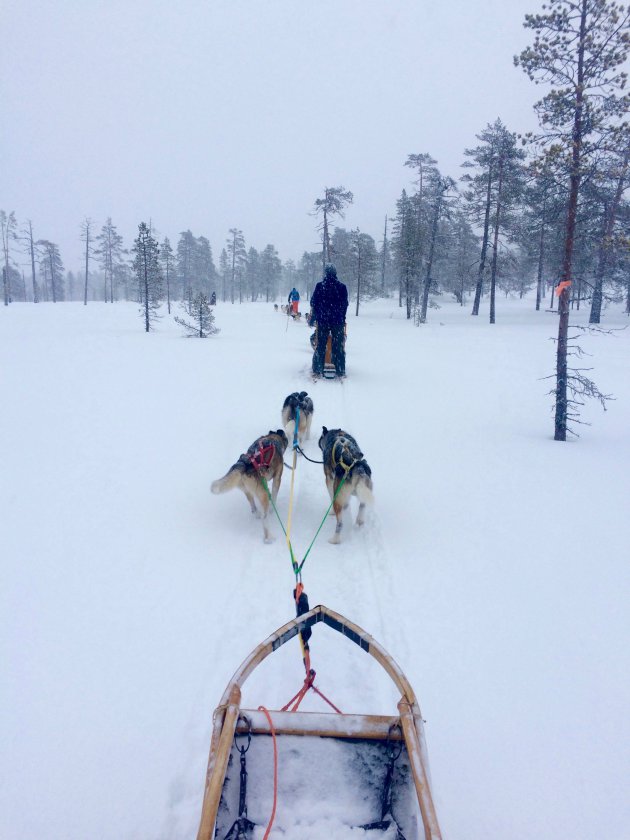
364	490
229	481
289	428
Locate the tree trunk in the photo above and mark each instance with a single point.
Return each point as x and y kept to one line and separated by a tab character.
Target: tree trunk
562	405
427	279
484	248
32	250
6	232
87	262
384	258
495	244
541	255
147	320
358	276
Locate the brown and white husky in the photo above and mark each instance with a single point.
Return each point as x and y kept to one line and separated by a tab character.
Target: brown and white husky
263	461
343	459
298	400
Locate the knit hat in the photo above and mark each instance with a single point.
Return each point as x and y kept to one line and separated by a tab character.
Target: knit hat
330	272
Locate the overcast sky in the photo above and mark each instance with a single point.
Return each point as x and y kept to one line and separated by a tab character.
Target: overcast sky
211	114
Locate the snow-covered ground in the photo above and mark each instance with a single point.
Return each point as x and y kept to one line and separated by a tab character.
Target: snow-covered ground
493	567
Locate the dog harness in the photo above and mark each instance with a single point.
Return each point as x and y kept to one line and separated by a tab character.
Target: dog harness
261	459
341	455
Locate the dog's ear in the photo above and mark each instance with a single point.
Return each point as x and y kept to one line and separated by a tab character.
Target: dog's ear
303	394
280	432
324	430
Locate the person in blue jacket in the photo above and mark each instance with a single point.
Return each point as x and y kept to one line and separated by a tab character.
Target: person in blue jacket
294	300
329	304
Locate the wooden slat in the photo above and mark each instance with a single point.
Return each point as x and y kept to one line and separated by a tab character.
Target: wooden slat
323	725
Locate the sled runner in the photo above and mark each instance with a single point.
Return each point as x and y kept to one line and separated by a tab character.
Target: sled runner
370	771
329	368
329	371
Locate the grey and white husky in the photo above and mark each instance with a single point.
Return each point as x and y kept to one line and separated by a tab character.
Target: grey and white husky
343	459
298	400
263	460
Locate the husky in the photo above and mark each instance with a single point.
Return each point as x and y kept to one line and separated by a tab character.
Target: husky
298	400
263	460
343	458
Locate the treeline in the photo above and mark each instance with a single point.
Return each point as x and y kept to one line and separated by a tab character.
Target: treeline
33	270
526	214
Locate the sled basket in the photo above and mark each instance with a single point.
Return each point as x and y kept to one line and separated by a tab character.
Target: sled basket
370	769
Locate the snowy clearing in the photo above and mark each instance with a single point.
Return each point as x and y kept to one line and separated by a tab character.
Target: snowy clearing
493	567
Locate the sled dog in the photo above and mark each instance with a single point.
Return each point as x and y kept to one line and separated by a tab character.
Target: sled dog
342	457
298	400
263	460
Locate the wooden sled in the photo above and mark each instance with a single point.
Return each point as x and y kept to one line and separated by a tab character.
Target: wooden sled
365	748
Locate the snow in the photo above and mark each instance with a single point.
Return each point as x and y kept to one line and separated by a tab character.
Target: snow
493	566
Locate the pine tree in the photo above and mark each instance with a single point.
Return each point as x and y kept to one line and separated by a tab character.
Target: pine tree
146	268
200	311
332	204
404	247
270	269
579	47
51	268
167	263
237	256
109	251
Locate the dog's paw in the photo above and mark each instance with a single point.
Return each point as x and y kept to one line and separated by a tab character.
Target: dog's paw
269	539
335	539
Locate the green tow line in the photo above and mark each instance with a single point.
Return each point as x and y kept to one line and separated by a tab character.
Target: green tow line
297	568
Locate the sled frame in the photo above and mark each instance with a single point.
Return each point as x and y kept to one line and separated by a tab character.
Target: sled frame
226	718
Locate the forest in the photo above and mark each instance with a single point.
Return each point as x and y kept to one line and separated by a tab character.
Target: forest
544	212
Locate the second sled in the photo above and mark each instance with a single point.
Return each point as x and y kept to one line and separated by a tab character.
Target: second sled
363	770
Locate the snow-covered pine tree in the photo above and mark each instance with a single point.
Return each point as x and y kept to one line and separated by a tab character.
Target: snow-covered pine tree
148	274
199	310
109	252
167	263
580	48
51	268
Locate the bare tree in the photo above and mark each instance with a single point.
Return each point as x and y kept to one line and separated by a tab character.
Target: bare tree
87	236
7	228
30	247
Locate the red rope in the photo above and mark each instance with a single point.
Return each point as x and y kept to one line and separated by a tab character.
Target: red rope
294	703
323	696
275	770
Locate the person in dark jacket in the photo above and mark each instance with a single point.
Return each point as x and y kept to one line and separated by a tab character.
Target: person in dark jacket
329	304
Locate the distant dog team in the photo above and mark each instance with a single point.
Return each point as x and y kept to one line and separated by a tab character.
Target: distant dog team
346	471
